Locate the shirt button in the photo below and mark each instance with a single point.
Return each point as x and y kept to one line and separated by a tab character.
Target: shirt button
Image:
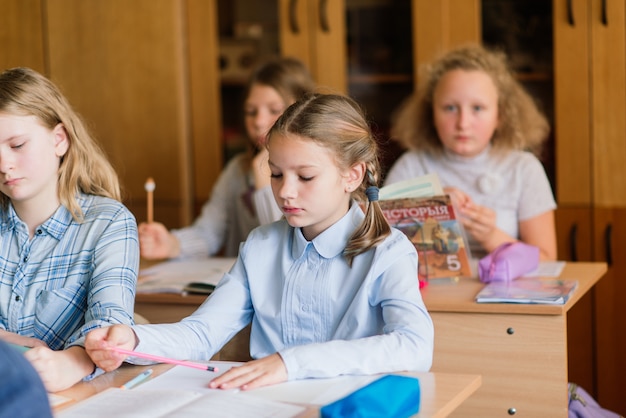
25	259
305	308
39	232
18	298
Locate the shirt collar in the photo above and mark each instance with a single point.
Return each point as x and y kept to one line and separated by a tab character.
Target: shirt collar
55	226
481	158
333	240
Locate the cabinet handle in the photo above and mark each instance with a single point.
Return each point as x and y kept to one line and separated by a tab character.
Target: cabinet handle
293	20
570	13
324	16
608	234
573	232
605	20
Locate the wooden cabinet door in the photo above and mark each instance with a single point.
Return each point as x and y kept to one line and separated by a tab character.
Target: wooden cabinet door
294	31
610	308
572	101
608	106
314	32
590	101
441	25
574	241
329	44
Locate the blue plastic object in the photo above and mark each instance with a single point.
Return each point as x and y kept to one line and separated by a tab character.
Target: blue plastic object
391	396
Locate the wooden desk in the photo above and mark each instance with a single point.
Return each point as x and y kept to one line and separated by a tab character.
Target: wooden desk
520	350
441	393
161	308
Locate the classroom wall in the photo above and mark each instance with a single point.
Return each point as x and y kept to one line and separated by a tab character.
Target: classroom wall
143	74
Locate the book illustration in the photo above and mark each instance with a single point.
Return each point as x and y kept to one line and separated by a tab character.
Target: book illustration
432	226
528	290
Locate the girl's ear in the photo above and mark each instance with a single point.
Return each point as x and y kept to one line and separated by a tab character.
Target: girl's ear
61	140
354	177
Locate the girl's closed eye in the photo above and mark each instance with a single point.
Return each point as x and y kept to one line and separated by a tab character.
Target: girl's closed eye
250	112
18	146
276	175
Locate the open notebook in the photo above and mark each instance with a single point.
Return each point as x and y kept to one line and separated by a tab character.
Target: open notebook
175	276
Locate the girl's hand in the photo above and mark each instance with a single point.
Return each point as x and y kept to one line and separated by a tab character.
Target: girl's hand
459	198
98	342
480	223
60	369
256	373
156	242
261	169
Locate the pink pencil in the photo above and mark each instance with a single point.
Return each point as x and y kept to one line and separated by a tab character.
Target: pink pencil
164	359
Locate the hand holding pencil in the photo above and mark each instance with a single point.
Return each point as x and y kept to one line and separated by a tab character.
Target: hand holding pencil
108	347
155	241
98	345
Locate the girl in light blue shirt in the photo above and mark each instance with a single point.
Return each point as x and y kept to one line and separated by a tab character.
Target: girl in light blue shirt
329	290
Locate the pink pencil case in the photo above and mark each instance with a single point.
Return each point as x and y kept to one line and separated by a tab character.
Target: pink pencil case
508	262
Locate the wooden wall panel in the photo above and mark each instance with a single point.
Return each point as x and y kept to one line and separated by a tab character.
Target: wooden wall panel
204	89
122	64
21	35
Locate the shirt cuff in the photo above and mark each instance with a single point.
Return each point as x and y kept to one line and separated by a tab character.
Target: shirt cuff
97	372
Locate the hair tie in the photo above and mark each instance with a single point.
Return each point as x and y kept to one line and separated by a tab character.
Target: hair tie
372	193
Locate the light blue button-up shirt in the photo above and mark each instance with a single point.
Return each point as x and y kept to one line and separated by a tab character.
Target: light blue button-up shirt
324	317
70	277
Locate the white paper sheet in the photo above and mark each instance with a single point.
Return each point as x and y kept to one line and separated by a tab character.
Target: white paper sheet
120	403
187	378
310	391
173	276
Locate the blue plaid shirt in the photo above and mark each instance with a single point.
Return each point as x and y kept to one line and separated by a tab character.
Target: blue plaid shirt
70	277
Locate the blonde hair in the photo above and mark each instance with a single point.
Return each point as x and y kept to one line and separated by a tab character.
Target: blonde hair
84	167
521	125
338	124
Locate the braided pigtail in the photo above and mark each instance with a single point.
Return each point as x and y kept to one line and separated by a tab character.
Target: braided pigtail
374	228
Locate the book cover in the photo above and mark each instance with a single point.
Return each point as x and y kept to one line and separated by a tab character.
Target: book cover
528	290
432	226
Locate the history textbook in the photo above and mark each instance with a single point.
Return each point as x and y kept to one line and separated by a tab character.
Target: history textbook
420	209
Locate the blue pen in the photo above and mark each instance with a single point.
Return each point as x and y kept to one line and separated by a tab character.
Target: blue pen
137	380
